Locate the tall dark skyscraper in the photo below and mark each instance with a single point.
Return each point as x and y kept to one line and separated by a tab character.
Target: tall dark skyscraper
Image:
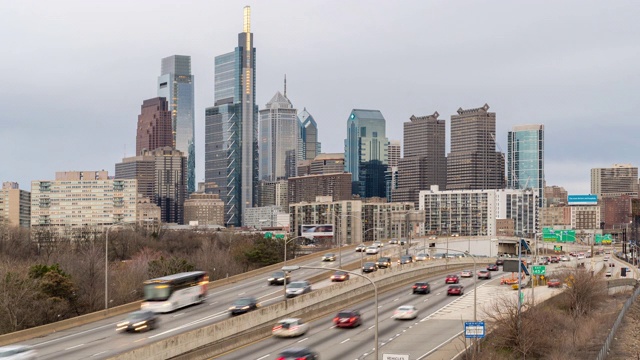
309	145
474	163
231	128
175	83
154	125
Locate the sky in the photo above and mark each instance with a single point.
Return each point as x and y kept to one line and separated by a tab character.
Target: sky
75	73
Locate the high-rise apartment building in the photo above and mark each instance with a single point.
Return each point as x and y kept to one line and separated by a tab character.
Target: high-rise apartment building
176	84
525	159
154	125
424	162
204	209
394	152
15	205
620	179
328	163
231	128
82	199
309	144
473	162
279	135
366	152
274	193
307	188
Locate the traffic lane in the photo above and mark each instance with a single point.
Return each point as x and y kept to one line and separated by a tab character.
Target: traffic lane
323	336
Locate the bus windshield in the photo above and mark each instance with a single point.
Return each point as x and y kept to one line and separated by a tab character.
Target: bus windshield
157	292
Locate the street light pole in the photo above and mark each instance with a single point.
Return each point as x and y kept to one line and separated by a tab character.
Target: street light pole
284	264
106	264
361	241
375	294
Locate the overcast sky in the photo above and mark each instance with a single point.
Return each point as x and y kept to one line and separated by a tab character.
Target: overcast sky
76	72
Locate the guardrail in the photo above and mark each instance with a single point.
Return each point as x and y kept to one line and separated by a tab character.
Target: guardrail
226	335
607	343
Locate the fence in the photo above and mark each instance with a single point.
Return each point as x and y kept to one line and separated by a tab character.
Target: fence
607	344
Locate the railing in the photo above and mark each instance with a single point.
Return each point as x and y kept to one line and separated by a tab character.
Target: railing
607	344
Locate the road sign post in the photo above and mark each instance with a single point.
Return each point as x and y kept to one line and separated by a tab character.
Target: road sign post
474	329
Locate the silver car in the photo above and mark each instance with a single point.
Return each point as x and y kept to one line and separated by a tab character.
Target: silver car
296	288
17	352
290	327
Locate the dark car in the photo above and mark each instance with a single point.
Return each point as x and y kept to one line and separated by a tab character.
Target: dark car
340	276
493	267
484	274
298	353
405	259
500	262
243	305
383	262
279	278
348	318
455	290
142	320
554	260
369	267
452	279
421	287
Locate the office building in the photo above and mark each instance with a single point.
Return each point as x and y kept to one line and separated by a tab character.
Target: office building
203	209
154	125
328	163
555	196
309	144
366	152
64	206
274	193
279	135
15	205
231	128
620	179
394	152
474	163
424	162
268	217
176	84
345	216
148	214
525	159
307	188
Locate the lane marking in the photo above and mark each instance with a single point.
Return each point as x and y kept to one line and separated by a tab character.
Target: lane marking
264	357
73	347
344	341
100	353
305	339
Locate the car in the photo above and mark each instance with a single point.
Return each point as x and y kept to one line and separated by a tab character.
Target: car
565	258
296	288
141	320
298	353
554	259
383	262
452	279
581	256
608	273
543	261
421	287
369	267
289	327
279	278
17	352
348	318
554	283
243	306
493	267
405	259
499	261
361	248
329	257
340	276
606	258
405	312
393	241
402	241
422	257
484	274
378	244
455	290
466	273
372	250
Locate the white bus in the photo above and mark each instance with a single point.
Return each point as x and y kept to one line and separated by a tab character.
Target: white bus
168	293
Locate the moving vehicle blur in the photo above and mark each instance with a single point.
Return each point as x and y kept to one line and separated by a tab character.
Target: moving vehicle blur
340	276
290	327
243	306
452	279
298	353
369	267
329	257
17	352
421	287
278	278
348	318
455	290
296	288
142	320
405	312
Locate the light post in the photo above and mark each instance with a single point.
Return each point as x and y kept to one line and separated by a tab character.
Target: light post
363	236
375	294
106	263
284	264
339	238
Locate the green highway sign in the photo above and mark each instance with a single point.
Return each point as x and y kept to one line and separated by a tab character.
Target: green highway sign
539	270
279	236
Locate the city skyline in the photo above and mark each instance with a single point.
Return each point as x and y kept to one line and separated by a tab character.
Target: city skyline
567	72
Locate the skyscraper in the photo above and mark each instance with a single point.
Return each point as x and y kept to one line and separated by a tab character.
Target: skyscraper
424	162
231	128
525	159
279	133
394	152
175	83
474	163
154	125
310	147
366	152
620	179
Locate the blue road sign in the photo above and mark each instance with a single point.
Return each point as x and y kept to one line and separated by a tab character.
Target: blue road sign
474	329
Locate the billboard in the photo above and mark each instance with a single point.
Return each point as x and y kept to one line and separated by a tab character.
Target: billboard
552	235
317	230
582	200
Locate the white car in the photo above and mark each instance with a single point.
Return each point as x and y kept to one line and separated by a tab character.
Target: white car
296	288
422	257
17	352
565	258
393	241
372	250
580	256
377	243
466	273
290	327
405	312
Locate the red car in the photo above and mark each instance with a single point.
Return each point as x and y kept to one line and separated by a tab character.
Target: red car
340	276
455	290
452	279
348	318
554	283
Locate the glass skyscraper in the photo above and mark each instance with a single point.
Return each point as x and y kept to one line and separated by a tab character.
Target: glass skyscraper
525	159
279	133
309	145
231	128
175	83
366	152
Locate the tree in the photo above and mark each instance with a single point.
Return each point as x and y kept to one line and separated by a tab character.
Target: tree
168	266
